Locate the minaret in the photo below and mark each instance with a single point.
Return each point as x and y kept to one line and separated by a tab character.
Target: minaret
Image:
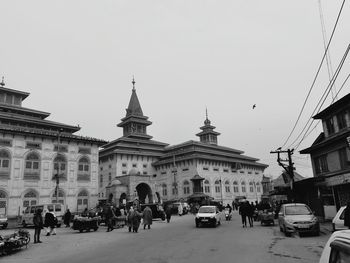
208	135
135	123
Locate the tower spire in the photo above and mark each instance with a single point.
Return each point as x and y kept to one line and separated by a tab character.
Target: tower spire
2	81
133	83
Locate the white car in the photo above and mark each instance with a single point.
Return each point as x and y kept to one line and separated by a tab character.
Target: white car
208	215
337	248
338	220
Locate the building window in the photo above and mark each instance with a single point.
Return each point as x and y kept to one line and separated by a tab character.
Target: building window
235	187
344	157
186	187
134	165
243	187
217	186
124	172
321	165
145	166
251	187
185	169
4	163
83	169
258	187
60	167
206	186
205	168
330	125
59	198
32	166
124	164
164	190
216	169
341	120
227	187
30	198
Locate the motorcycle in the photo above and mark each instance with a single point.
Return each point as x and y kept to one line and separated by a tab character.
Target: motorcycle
14	241
228	214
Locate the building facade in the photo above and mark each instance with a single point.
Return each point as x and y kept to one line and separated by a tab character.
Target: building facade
42	161
135	166
330	157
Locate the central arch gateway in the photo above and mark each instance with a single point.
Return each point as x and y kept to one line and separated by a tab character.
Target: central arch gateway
144	193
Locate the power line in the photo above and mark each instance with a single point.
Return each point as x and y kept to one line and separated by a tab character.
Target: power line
316	76
324	96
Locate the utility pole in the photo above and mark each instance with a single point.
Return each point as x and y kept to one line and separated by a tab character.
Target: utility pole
289	168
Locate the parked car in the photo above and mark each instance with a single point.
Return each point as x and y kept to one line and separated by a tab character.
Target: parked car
338	220
297	217
3	221
208	215
337	248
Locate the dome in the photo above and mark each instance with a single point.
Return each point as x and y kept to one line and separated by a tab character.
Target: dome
116	182
133	172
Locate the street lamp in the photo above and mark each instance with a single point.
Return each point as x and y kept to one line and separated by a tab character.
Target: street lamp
57	178
222	199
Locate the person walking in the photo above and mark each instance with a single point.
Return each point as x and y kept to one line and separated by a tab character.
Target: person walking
250	213
243	211
147	217
50	223
347	215
67	218
110	216
168	213
134	219
38	225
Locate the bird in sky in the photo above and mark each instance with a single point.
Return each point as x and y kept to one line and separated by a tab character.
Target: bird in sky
254	106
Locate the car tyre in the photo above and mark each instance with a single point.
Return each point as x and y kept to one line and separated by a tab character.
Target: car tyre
287	234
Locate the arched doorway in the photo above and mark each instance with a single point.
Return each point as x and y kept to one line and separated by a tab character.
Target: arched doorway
83	200
144	193
3	203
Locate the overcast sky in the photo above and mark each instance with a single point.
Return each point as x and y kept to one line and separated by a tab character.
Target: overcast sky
77	59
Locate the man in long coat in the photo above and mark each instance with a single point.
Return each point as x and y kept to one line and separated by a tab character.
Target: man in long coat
147	217
134	219
38	225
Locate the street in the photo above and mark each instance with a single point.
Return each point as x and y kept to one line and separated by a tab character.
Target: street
178	241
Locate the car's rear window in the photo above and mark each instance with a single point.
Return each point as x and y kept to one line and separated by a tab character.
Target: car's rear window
297	210
206	210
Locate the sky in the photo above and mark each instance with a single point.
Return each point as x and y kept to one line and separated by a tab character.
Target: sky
77	60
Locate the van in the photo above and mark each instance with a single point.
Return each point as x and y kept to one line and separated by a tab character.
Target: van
29	212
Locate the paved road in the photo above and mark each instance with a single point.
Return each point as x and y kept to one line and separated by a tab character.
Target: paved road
177	242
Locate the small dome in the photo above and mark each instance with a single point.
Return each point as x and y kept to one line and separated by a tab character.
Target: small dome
133	172
116	182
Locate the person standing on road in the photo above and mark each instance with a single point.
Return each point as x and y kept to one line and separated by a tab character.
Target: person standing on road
250	214
147	217
67	217
243	211
180	209
347	215
38	225
110	216
168	213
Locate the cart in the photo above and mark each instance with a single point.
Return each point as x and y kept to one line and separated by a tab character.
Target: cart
85	223
267	217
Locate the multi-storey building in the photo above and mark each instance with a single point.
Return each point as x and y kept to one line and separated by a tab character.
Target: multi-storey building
137	166
42	161
330	157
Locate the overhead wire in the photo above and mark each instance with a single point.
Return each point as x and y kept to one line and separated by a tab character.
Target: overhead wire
316	76
323	97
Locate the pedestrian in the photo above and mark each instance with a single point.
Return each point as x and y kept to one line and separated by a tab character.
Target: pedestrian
147	217
250	213
180	209
133	219
243	211
110	217
67	218
38	225
168	213
50	223
347	215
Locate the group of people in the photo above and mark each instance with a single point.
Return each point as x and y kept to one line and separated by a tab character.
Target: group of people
246	210
49	222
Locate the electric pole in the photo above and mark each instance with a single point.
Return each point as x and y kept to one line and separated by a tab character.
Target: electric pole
288	167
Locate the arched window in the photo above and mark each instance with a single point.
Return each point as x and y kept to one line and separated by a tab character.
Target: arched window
251	187
164	190
32	167
60	197
5	161
227	187
235	187
30	198
3	203
206	186
83	169
243	187
60	167
258	187
186	187
217	186
83	200
174	188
